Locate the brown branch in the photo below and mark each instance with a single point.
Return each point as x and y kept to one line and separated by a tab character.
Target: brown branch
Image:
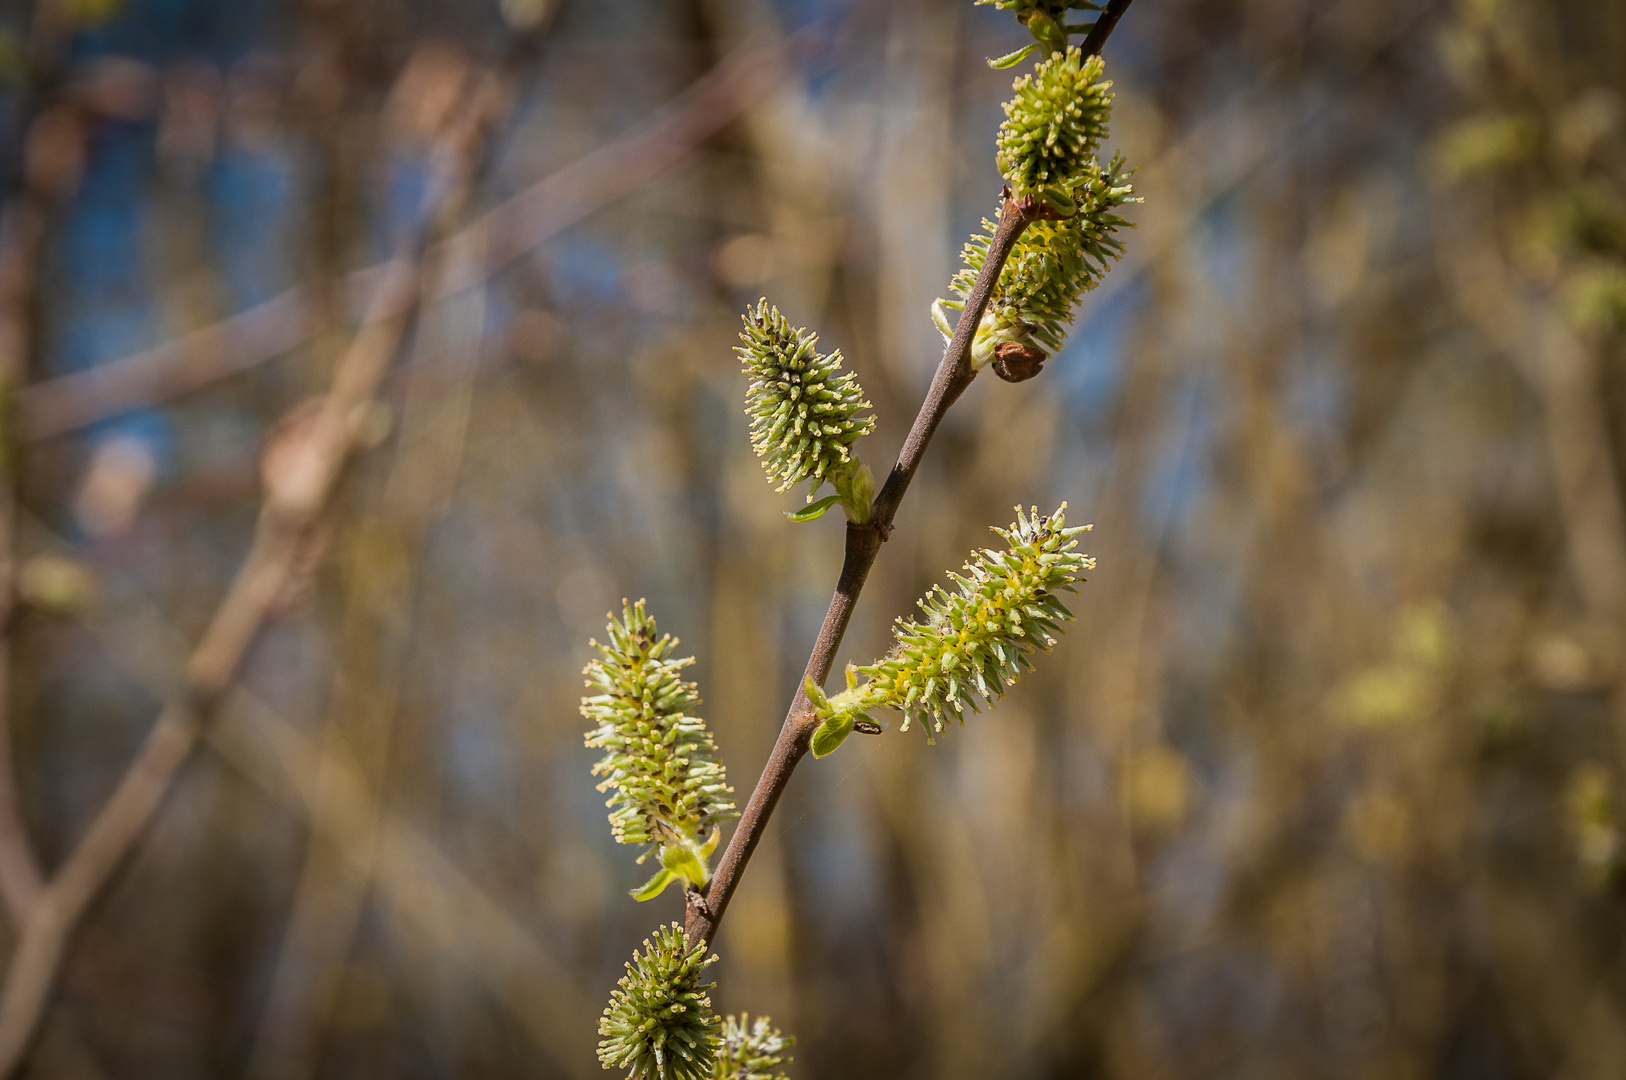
44	128
1104	23
705	908
422	887
22	230
954	374
466	258
295	498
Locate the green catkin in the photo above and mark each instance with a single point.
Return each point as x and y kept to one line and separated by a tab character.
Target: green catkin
659	758
659	1024
752	1051
803	407
1054	263
1053	123
975	638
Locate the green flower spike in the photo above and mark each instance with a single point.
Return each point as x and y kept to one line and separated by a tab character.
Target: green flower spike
1054	263
974	641
804	413
1054	123
752	1051
659	1024
661	760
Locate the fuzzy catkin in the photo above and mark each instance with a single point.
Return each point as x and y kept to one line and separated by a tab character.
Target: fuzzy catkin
659	758
1053	123
975	638
1054	263
752	1051
659	1024
803	406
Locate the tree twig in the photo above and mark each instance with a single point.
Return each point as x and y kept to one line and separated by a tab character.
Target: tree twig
1104	23
705	908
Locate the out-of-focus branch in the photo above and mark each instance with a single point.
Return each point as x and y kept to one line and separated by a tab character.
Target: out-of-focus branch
46	160
381	551
705	908
424	891
427	895
311	458
466	258
1564	376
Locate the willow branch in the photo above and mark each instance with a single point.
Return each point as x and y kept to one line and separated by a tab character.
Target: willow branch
954	374
705	908
1104	24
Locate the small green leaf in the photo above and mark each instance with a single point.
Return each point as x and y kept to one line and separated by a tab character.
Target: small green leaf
831	734
855	489
1058	200
711	844
1013	58
814	510
1044	28
683	863
654	886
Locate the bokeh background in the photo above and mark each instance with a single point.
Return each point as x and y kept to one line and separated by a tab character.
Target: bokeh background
1323	781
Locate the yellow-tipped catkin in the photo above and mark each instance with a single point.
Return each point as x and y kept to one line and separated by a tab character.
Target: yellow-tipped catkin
1055	119
659	1024
752	1051
1055	262
975	638
659	757
803	407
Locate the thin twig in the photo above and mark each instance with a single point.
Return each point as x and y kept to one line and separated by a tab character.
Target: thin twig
705	908
954	374
1104	24
294	501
